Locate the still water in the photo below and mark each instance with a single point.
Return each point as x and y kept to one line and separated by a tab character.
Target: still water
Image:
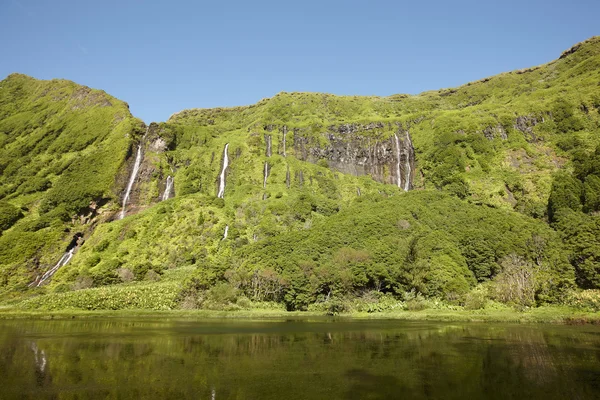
296	359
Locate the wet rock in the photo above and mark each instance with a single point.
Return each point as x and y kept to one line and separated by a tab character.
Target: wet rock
361	150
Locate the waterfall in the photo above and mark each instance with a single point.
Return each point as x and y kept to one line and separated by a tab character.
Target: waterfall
136	167
221	193
407	169
398	176
266	175
284	135
63	261
358	191
226	232
168	188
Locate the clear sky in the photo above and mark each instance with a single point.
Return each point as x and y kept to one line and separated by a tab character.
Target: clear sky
165	56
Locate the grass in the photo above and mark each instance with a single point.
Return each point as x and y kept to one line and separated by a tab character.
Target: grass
549	315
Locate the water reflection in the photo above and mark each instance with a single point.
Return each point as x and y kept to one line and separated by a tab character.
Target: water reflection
296	360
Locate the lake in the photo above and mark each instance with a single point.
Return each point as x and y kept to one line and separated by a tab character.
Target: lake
296	359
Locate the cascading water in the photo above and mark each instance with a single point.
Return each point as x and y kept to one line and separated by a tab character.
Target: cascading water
266	175
168	188
226	232
62	262
284	135
407	169
398	176
136	168
221	192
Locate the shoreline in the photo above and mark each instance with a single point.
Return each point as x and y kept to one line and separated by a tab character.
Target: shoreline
544	315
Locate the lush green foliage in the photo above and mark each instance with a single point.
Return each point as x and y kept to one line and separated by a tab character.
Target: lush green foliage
62	147
141	296
495	161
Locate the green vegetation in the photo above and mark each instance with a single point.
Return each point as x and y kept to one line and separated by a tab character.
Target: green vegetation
504	211
62	147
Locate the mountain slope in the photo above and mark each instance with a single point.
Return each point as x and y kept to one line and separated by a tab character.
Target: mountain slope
301	198
63	153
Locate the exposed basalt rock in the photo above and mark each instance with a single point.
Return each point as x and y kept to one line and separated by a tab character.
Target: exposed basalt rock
361	150
85	97
570	51
158	145
492	132
269	144
525	124
143	194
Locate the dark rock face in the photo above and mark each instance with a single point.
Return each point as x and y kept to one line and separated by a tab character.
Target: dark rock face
361	150
153	145
269	144
525	124
492	132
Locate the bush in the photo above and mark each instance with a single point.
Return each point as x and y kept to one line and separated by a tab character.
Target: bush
125	275
476	299
9	214
152	276
588	300
415	301
517	283
83	282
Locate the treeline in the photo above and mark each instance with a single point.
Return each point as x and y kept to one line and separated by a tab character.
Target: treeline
573	209
420	242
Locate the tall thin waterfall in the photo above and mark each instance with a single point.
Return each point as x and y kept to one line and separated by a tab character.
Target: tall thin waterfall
226	232
221	193
407	169
266	175
284	135
63	261
168	188
398	176
136	168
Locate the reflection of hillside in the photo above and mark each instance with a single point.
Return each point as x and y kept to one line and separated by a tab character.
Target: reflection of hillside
221	360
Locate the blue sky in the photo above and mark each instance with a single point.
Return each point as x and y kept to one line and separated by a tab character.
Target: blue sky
165	56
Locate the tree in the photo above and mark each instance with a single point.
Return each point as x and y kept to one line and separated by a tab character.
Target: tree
566	192
517	282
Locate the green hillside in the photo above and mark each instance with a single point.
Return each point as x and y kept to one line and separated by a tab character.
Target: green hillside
502	207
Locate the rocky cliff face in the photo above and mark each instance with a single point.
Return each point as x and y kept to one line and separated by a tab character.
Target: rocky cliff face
151	180
361	150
